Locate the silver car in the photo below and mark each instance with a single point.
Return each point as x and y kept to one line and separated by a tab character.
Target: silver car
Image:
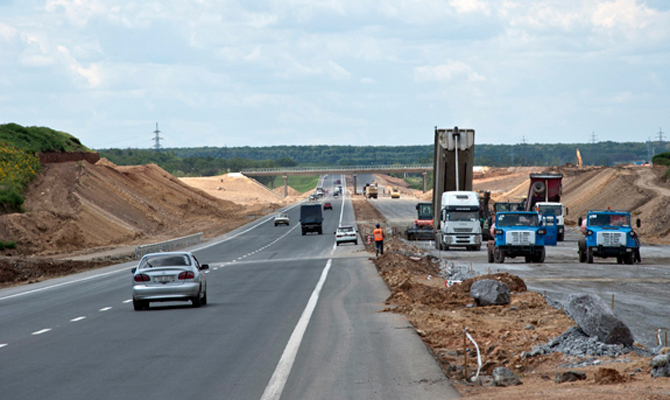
346	234
175	276
281	219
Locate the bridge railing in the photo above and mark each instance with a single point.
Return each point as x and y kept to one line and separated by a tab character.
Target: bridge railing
357	168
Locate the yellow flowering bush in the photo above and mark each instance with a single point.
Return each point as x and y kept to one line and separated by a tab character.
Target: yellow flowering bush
17	169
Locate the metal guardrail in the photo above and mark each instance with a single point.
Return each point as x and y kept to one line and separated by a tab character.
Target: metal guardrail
168	245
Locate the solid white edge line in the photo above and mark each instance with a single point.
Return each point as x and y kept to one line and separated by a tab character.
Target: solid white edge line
276	385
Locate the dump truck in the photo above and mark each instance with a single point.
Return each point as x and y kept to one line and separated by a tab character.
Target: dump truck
452	172
544	197
372	191
422	228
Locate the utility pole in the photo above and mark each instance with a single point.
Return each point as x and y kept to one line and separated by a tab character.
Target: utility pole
157	138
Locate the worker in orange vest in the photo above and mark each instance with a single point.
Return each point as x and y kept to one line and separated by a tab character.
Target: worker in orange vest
379	239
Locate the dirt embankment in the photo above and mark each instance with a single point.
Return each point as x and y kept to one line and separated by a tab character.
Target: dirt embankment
503	333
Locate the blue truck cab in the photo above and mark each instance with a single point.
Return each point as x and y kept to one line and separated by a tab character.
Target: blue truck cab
517	233
608	234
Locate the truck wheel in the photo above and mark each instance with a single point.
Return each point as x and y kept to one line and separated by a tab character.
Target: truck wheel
320	231
628	259
529	259
619	260
540	257
490	255
498	256
589	255
560	237
303	233
582	256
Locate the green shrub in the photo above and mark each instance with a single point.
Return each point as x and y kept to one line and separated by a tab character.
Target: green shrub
7	245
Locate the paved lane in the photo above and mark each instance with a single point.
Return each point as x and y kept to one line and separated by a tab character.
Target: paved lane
80	339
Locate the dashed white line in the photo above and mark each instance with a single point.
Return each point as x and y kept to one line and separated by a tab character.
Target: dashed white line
41	332
77	319
127	301
3	345
105	309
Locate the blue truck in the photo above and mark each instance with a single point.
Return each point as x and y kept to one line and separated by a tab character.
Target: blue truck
515	234
608	234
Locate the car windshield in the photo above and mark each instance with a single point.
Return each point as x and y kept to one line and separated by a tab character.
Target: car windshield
551	210
517	220
609	220
462	215
163	260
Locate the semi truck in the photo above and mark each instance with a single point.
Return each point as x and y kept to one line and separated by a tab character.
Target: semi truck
452	172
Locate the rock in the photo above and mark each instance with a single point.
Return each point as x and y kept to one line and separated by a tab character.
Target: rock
504	377
529	327
660	366
597	320
608	376
489	292
569	376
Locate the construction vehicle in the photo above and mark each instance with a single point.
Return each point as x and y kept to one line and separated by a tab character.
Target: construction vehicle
544	197
608	234
422	229
371	190
395	194
452	172
517	233
460	221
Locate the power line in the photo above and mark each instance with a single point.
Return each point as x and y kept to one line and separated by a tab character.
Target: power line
157	138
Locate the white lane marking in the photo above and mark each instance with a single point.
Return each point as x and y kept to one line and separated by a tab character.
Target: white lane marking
3	345
105	309
261	222
207	272
127	301
77	319
41	332
63	284
280	376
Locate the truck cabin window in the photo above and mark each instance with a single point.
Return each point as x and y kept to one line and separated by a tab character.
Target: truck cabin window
609	220
551	210
517	220
462	215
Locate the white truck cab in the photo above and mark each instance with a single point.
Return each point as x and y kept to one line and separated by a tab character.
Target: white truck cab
549	210
459	220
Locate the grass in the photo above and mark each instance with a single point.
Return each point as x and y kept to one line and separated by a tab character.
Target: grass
301	183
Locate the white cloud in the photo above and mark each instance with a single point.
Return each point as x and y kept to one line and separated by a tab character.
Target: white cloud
626	14
446	72
469	6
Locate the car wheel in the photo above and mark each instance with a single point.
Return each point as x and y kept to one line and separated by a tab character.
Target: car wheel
204	298
356	242
337	243
140	305
197	301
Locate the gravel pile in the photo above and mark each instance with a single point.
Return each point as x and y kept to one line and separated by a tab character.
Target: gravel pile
453	272
574	342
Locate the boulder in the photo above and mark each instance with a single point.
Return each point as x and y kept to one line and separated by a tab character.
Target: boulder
489	292
504	377
660	366
569	376
596	319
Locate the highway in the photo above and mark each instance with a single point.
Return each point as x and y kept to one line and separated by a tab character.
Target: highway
289	317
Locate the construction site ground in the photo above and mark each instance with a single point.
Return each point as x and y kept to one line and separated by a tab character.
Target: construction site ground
97	213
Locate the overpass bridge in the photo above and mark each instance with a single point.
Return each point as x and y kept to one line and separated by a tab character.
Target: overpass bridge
347	170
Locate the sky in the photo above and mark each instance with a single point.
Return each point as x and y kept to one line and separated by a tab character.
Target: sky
336	72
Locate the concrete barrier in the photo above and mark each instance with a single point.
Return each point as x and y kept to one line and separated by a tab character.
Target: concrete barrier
168	245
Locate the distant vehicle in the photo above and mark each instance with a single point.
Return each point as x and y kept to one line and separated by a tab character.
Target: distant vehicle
174	276
346	233
459	220
327	206
336	193
337	182
395	194
607	234
311	218
313	197
281	219
422	228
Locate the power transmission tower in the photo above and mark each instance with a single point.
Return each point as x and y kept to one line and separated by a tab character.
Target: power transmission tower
594	140
157	139
523	139
660	136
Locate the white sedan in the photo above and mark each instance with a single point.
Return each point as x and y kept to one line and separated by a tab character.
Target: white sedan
172	276
346	234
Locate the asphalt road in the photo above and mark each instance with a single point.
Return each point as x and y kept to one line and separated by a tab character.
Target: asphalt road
289	316
640	290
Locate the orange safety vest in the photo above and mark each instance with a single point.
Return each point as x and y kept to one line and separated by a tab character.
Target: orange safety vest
379	234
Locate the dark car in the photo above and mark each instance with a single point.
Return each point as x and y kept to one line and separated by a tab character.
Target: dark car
327	206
